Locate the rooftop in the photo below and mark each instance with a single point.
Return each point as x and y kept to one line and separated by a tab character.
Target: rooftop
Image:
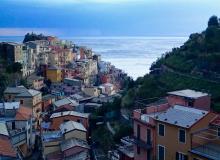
69	113
188	93
51	136
181	116
65	101
23	113
70	126
65	145
15	90
21	91
6	148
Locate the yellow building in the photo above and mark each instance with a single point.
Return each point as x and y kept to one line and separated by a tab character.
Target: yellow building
54	74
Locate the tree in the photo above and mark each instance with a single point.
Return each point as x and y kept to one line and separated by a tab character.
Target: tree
213	21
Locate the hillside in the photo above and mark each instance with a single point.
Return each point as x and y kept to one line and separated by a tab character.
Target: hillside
194	65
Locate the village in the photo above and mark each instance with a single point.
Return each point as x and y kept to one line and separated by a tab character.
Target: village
50	117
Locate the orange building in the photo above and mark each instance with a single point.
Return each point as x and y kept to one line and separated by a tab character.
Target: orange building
174	130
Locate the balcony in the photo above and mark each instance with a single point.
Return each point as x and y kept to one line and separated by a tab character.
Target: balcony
206	143
18	137
145	145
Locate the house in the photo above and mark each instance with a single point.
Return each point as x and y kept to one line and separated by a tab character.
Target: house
12	52
20	131
73	129
50	142
35	82
107	88
72	82
63	108
58	118
149	144
177	124
68	142
190	98
27	97
144	130
73	148
54	74
91	91
47	101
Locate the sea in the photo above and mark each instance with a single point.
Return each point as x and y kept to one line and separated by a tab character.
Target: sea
134	55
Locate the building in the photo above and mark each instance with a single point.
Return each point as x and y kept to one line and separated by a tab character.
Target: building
65	101
73	149
35	82
73	129
182	106
54	74
12	52
58	118
91	91
107	88
144	130
27	97
190	98
50	142
178	123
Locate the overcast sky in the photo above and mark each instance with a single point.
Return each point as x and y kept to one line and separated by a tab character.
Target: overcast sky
106	17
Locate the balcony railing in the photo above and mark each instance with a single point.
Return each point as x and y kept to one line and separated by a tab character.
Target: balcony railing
140	143
19	137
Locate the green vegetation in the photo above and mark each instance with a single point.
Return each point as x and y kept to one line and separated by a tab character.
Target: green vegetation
33	37
10	74
195	65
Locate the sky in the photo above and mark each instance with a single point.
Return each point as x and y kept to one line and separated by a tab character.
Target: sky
106	17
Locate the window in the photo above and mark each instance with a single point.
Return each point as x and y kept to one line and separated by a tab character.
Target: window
148	136
138	150
148	154
161	152
138	131
181	156
161	130
190	103
218	132
182	135
21	101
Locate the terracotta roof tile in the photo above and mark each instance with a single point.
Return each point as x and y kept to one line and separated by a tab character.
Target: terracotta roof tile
23	113
6	148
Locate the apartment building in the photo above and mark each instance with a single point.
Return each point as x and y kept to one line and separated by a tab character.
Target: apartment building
147	123
27	97
174	128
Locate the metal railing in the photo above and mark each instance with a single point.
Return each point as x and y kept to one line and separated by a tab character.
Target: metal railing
146	145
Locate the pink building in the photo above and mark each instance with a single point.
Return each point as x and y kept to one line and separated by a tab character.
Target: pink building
144	131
